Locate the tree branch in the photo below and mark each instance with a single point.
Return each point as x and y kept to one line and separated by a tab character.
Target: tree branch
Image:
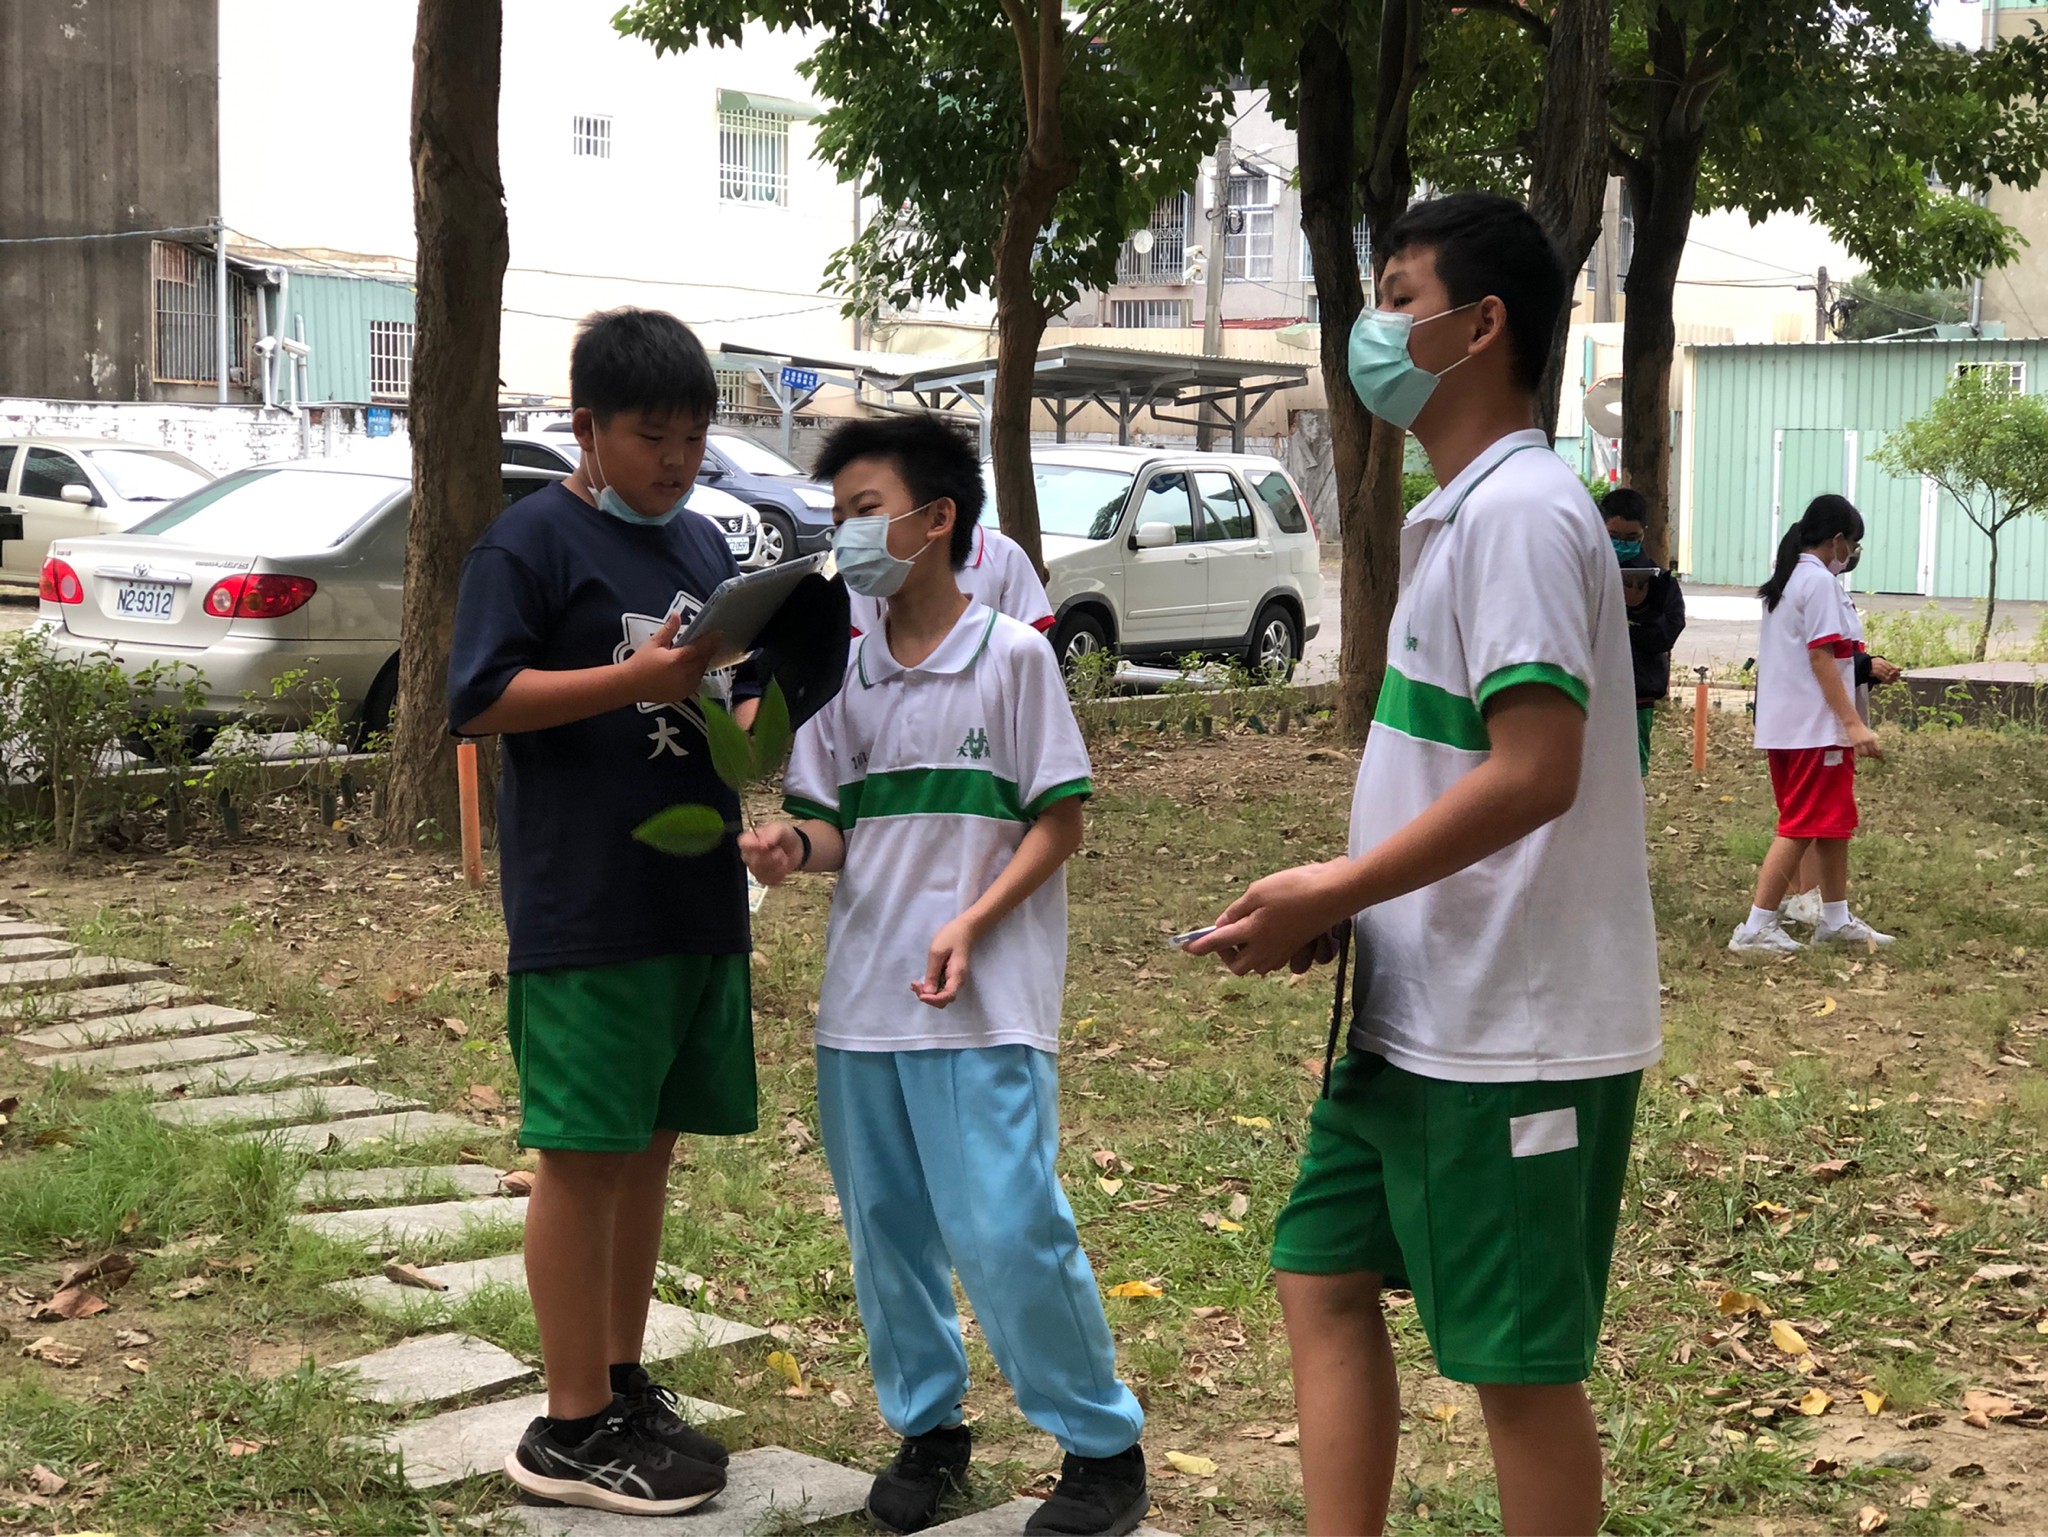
1520	15
1052	68
1027	56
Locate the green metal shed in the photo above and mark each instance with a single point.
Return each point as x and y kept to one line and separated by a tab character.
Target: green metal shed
359	334
1772	426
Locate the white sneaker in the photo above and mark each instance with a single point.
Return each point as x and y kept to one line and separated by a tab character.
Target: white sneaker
1803	907
1768	940
1854	932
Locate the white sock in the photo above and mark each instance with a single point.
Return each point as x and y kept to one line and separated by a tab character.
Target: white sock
1761	918
1834	914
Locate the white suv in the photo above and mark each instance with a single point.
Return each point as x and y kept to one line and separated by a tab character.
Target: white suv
1160	553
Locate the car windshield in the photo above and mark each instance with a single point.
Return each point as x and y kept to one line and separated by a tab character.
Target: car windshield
138	475
1073	502
751	458
260	512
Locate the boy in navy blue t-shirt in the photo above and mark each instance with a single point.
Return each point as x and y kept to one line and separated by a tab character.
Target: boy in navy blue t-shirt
630	1016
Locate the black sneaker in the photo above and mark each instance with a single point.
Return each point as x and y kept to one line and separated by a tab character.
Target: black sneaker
615	1468
1096	1497
651	1409
906	1494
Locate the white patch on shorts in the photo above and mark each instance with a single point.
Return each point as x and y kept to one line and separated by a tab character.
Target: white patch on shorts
1832	758
1547	1131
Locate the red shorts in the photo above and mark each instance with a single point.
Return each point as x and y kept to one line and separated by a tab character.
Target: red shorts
1815	789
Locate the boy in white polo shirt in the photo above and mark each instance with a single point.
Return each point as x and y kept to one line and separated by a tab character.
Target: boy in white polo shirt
1471	1144
996	572
945	784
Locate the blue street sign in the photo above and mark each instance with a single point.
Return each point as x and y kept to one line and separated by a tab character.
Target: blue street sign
377	422
799	379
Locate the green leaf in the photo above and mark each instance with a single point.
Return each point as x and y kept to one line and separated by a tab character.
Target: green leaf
772	733
683	830
732	755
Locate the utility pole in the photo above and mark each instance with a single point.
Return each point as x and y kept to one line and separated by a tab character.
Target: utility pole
1212	312
1820	305
220	309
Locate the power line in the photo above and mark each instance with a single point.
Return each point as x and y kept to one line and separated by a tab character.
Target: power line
122	234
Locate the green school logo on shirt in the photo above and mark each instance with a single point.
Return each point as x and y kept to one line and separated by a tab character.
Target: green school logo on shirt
976	745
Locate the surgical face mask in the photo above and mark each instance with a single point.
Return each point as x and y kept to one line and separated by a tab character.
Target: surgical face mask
1627	549
610	501
1393	385
860	547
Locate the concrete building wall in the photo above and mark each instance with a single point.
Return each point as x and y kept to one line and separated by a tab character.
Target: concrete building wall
2016	296
107	124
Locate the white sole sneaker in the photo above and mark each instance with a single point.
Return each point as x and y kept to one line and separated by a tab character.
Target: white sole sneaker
580	1491
1771	941
1854	932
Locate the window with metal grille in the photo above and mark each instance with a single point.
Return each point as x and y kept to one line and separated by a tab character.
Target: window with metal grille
390	359
733	391
1148	314
1361	243
1167	261
1248	242
591	136
2011	377
753	156
184	281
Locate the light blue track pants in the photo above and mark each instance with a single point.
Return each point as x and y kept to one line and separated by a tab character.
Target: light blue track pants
943	1161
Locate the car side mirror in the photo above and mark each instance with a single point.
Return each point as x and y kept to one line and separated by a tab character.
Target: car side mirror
78	495
1153	536
709	472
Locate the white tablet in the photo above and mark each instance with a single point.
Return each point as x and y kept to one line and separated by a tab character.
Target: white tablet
740	607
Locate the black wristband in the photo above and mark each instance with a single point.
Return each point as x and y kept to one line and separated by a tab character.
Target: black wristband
804	839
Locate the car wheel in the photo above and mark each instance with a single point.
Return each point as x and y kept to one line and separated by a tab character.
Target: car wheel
1276	643
378	704
778	537
1077	637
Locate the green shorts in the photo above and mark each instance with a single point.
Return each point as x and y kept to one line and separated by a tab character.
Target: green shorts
1496	1203
608	1055
1646	717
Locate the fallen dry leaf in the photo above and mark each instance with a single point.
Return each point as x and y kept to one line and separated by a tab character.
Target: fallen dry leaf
1193	1466
111	1270
1825	1007
1105	1159
1789	1339
1734	1304
785	1364
1239	1205
136	1365
516	1182
1813	1403
1871	1519
1109	1185
1981	1408
1833	1169
1225	1225
481	1096
1136	1289
1826	1266
1873	1401
1291	1436
133	1339
1255	1122
841	1397
412	1275
243	1446
71	1302
190	1287
454	1027
1990	1275
49	1352
46	1483
1823	1467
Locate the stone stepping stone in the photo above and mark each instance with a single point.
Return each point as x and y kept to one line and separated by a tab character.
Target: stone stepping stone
75	971
771	1489
34	949
28	928
1008	1520
390	1227
466	1442
261	1071
321	1136
434	1369
369	1187
144	1056
122	999
280	1109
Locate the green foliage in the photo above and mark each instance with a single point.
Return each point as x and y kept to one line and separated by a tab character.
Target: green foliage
1870	309
68	713
683	830
739	759
732	755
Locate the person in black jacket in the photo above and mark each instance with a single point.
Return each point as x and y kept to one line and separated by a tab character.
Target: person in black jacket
1656	610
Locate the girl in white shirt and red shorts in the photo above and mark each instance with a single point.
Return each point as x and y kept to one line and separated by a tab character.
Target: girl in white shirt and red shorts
1808	726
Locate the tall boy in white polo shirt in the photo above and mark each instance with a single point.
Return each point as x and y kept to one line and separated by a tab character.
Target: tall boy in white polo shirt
945	785
1473	1141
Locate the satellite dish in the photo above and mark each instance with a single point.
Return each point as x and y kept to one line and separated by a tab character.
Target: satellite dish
1142	242
1602	406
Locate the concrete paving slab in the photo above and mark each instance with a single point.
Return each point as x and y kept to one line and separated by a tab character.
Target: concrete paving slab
118	1007
264	1070
434	1369
466	1442
64	971
34	949
675	1331
770	1489
288	1105
389	1227
171	1052
28	928
322	1136
421	1182
463	1279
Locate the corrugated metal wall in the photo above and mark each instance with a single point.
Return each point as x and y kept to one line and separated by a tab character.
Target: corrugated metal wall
337	311
1774	426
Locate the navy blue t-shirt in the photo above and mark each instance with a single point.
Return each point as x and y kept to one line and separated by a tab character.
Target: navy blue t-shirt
557	584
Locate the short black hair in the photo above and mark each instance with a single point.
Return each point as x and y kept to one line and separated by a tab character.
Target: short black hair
1625	502
934	459
640	360
1484	245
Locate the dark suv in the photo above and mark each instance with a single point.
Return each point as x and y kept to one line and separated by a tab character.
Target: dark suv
796	511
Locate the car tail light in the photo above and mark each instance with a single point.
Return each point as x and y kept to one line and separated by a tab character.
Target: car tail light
60	584
251	595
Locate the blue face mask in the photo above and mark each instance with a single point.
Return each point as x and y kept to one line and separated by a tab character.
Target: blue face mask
610	501
860	550
1393	385
1627	549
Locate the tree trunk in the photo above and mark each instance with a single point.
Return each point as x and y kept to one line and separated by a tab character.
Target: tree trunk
459	213
1568	183
1366	452
1990	600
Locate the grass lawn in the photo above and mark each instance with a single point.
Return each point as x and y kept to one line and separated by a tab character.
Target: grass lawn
1848	1145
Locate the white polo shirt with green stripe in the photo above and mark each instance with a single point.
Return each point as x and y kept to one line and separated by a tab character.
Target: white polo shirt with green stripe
1541	961
934	773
